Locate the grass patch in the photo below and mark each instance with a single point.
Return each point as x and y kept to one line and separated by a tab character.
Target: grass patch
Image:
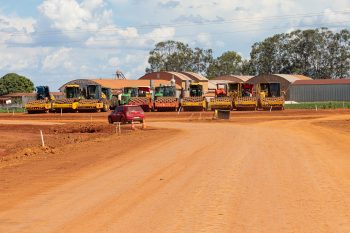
10	110
320	105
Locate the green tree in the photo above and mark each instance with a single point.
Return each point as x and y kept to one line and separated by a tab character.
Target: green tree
12	83
248	68
341	51
177	56
201	60
271	55
318	53
228	63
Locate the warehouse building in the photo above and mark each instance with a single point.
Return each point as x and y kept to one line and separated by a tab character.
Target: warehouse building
116	85
212	83
157	79
180	78
234	78
320	90
284	79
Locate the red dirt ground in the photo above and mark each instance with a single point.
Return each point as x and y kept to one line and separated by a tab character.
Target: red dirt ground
282	171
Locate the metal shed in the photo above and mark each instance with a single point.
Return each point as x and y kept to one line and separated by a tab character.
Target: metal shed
284	79
234	78
116	84
80	82
180	78
320	90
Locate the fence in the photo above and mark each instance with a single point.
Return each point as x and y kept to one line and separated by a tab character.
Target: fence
11	108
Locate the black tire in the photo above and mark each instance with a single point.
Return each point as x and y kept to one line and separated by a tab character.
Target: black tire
110	120
123	121
105	108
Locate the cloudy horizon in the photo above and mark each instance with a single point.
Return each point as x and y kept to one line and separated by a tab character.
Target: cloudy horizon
54	41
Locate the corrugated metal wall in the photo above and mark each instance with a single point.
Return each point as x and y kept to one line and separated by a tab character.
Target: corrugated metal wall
314	93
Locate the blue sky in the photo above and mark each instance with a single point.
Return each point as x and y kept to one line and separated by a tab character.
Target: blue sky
54	41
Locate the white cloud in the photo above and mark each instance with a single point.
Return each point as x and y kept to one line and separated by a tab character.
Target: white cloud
101	36
112	36
137	66
15	59
114	61
332	17
58	59
205	39
10	61
92	4
65	14
70	15
15	29
162	33
118	2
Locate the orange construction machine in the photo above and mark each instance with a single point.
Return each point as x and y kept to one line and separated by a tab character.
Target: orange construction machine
221	100
143	99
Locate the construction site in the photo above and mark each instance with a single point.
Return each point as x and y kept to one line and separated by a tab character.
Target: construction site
167	91
220	155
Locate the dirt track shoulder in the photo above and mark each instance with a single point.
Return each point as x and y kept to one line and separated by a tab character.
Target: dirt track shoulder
276	175
44	169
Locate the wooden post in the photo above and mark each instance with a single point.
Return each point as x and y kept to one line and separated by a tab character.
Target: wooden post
178	112
117	128
42	138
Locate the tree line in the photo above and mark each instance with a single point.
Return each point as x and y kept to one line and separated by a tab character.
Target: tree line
12	83
317	53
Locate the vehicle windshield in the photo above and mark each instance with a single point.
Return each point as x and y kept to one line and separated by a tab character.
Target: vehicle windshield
233	87
274	90
159	90
42	92
247	90
169	91
195	90
72	92
221	86
134	108
92	92
271	89
130	90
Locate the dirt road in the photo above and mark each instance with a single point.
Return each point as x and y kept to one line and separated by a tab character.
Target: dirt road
275	176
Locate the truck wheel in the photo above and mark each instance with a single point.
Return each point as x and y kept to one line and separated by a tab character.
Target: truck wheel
123	121
105	108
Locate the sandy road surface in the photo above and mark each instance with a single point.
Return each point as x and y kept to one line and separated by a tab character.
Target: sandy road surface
18	122
278	176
